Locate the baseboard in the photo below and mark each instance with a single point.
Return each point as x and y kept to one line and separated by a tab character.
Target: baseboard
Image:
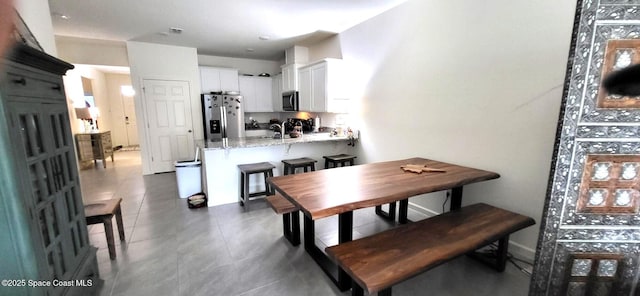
518	250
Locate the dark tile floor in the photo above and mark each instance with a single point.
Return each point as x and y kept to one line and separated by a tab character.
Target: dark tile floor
173	250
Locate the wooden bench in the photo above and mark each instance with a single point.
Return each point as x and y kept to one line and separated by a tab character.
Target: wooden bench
378	262
290	217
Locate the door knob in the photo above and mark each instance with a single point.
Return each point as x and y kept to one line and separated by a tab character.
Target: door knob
189	130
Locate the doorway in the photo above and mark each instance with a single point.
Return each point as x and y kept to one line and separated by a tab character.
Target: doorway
129	116
168	110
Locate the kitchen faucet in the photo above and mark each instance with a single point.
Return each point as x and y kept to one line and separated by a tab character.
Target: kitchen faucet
299	123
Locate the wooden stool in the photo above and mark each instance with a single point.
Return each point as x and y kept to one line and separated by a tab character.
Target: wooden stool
341	159
290	165
246	170
102	212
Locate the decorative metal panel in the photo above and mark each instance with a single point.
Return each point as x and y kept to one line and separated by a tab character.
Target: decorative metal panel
589	240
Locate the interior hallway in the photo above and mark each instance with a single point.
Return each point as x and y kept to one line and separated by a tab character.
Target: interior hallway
222	250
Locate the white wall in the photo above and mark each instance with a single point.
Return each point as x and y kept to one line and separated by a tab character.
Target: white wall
36	15
165	62
92	52
244	66
328	48
475	83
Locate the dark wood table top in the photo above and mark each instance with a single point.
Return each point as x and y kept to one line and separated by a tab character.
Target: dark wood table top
330	192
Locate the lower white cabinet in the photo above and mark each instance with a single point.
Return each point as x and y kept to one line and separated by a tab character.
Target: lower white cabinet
257	93
324	87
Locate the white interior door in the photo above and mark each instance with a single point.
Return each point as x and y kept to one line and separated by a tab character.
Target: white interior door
170	126
131	126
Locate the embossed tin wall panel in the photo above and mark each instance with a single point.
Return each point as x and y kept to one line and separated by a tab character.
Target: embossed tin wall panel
619	54
594	171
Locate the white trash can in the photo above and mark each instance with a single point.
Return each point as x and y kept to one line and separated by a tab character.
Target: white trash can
189	178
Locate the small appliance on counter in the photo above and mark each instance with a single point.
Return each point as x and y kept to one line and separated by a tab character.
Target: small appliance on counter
223	116
291	124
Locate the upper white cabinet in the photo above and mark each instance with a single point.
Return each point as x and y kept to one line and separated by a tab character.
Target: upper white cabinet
218	79
323	87
257	93
277	93
290	77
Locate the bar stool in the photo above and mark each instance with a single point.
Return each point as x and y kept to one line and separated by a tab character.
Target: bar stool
290	165
246	170
341	159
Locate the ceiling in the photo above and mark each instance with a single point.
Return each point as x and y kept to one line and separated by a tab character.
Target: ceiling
229	28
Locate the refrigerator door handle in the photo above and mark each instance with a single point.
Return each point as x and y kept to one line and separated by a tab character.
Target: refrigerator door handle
223	121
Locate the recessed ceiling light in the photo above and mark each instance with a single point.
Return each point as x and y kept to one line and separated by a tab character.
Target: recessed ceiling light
60	15
250	50
264	37
176	30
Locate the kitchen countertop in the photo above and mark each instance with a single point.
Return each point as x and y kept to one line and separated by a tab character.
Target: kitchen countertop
250	142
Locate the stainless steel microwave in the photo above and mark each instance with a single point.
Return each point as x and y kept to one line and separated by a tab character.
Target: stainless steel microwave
290	101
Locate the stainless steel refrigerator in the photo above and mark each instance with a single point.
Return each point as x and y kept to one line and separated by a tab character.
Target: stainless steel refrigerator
223	116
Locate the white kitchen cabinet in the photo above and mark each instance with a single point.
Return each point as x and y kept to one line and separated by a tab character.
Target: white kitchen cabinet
304	95
218	79
290	77
257	93
324	87
277	93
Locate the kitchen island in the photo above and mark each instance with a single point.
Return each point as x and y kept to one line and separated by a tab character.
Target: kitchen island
220	160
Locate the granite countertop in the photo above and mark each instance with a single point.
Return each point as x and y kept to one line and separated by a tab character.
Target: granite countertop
250	142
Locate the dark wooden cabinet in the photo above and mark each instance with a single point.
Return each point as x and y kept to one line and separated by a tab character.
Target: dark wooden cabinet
45	217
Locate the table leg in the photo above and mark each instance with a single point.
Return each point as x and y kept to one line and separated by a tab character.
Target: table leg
456	198
390	215
119	221
345	224
402	212
345	234
108	230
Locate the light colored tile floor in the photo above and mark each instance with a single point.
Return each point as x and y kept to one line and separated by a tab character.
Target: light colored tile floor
223	250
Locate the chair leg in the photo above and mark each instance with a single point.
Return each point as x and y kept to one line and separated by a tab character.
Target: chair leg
326	163
313	167
267	187
119	221
108	230
247	179
272	191
241	189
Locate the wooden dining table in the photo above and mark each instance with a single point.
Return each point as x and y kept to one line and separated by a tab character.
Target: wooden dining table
340	191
